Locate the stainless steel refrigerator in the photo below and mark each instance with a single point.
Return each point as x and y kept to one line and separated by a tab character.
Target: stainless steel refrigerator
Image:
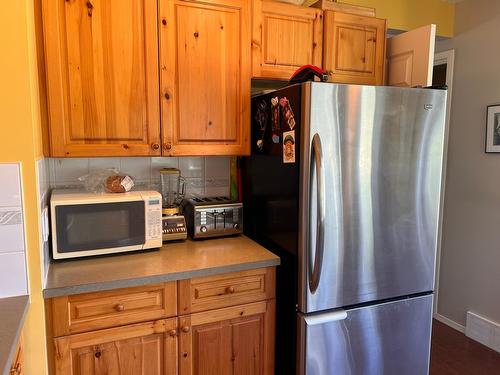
348	194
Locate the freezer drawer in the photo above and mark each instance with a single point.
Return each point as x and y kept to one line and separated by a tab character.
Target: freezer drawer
387	339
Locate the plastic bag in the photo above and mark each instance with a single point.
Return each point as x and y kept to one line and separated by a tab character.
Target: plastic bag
107	180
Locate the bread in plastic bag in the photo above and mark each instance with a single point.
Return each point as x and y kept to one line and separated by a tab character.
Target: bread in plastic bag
107	180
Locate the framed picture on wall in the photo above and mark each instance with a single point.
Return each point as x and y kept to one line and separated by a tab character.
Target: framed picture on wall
493	128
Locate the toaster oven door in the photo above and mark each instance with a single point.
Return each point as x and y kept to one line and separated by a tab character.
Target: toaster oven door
89	229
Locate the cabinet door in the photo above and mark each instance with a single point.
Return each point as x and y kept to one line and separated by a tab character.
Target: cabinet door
205	75
284	38
232	341
138	349
410	57
102	77
354	48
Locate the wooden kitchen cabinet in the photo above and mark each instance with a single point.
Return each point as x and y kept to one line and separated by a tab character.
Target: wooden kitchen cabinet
284	38
354	48
205	76
223	324
102	77
17	367
92	311
231	341
139	349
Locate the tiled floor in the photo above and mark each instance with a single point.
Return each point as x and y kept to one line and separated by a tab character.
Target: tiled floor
454	354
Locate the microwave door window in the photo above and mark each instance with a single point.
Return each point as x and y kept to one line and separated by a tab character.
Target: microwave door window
100	226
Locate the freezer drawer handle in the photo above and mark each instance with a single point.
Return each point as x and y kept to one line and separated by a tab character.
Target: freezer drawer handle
317	157
328	317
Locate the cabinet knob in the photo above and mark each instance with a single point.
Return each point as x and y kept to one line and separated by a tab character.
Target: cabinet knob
172	332
167	146
167	96
155	146
16	370
230	289
97	353
185	329
119	307
164	22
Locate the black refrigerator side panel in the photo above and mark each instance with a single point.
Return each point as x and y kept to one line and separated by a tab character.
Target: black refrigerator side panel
271	204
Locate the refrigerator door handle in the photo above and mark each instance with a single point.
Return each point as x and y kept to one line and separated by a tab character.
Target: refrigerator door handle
317	157
327	317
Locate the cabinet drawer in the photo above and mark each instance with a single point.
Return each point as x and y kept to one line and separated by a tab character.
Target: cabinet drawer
207	293
90	311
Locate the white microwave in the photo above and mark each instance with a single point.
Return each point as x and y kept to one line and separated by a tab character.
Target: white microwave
86	224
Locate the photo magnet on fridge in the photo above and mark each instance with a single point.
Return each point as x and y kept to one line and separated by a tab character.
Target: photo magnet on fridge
275	116
289	147
286	109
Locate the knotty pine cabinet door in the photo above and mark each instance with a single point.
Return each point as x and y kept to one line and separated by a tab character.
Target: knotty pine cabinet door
354	48
102	77
231	341
137	349
284	38
205	76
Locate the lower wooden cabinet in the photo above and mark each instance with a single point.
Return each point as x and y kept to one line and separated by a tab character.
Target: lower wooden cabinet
138	349
231	341
226	326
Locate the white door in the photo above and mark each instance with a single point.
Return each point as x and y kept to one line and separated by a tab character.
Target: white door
410	57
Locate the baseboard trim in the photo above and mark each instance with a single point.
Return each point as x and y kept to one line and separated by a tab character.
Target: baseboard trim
449	322
483	330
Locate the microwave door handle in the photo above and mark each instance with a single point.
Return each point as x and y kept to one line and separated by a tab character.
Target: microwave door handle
317	158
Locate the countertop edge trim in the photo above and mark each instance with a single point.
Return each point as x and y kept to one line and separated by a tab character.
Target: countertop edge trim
154	279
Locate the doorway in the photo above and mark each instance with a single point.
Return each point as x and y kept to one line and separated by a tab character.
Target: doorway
442	76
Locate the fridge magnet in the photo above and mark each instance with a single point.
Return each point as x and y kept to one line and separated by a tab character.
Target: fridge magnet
286	109
261	121
493	129
289	147
275	116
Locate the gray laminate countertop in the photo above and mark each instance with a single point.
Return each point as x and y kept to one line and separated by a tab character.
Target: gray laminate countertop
174	261
12	313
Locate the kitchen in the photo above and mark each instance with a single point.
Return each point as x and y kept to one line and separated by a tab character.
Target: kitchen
167	102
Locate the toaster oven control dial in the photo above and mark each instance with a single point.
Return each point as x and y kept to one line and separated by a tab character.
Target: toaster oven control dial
203	229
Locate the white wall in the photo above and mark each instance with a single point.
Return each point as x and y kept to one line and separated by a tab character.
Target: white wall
470	254
13	276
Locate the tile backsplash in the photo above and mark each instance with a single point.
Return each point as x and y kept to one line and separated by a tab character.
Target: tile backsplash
13	276
43	175
204	175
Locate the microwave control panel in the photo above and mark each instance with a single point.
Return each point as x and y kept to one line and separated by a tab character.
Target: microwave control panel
153	218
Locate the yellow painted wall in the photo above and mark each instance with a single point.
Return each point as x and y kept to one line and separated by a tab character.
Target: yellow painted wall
410	14
20	141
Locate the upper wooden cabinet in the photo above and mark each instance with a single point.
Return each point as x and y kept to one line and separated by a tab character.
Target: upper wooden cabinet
102	77
205	76
354	48
284	38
